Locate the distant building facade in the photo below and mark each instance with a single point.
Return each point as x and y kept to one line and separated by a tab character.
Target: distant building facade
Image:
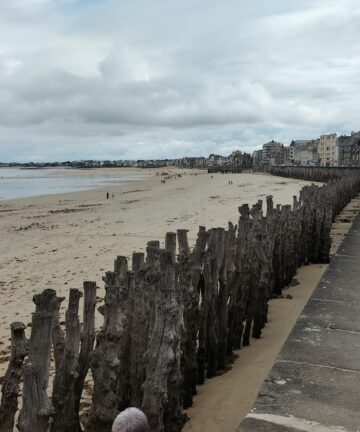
304	152
349	150
257	157
272	153
216	160
240	159
313	154
235	159
328	150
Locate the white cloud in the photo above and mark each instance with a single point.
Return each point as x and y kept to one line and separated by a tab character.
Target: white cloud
113	79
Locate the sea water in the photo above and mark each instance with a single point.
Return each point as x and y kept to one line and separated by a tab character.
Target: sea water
22	183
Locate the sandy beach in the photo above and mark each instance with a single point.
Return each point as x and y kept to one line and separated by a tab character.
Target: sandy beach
58	241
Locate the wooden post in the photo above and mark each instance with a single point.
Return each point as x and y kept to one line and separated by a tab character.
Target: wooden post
188	298
11	385
170	244
205	295
243	276
58	337
183	241
37	409
138	260
87	339
105	359
161	402
216	248
139	335
65	417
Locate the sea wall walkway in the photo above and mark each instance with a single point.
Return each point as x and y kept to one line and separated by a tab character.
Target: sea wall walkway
314	384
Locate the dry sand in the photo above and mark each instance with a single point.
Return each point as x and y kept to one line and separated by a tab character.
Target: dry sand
58	241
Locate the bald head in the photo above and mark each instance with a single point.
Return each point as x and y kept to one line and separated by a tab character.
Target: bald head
131	420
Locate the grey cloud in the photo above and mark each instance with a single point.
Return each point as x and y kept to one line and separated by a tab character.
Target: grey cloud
160	79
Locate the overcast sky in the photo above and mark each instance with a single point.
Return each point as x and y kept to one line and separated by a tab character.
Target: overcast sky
115	79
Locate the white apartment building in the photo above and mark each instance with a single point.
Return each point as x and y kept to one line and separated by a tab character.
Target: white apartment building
328	150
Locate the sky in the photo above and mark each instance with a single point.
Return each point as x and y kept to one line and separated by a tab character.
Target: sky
140	79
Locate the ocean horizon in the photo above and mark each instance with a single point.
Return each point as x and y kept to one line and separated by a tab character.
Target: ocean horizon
26	183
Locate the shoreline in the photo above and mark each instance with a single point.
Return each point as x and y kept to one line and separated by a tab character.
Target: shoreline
115	179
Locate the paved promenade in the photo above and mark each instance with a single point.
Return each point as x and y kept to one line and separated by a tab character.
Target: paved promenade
315	382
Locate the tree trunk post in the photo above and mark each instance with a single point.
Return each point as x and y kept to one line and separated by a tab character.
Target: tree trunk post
37	409
11	386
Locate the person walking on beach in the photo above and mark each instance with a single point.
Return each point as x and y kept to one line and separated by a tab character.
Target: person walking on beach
107	195
131	420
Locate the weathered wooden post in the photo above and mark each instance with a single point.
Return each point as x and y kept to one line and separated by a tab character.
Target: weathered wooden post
205	296
161	402
140	321
255	239
170	244
65	415
87	339
72	367
216	248
226	288
188	297
58	336
11	386
138	260
105	359
37	409
243	277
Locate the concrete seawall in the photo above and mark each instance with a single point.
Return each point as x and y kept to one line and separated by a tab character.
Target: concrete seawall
314	384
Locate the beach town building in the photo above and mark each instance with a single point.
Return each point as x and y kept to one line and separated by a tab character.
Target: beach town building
236	158
328	150
297	149
344	145
304	157
247	160
286	155
304	152
272	153
291	153
349	150
216	160
312	153
239	159
190	162
257	157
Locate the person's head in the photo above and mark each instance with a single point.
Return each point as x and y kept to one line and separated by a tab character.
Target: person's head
131	420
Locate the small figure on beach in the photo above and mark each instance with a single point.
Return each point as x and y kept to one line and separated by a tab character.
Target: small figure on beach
107	195
131	420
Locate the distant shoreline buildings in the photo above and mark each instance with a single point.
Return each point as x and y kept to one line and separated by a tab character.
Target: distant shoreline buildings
327	150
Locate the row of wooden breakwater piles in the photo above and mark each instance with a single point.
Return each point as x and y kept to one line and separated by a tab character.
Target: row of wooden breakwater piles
170	322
